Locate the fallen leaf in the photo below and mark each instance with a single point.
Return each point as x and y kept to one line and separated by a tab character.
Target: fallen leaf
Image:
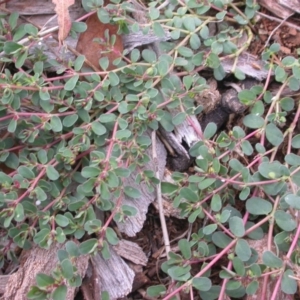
63	17
92	43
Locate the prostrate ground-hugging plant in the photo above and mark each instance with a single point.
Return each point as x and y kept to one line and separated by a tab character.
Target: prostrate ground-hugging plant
69	140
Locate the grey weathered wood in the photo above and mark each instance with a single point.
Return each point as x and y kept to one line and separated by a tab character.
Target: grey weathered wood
112	275
291	4
134	224
36	261
3	281
249	64
276	8
131	251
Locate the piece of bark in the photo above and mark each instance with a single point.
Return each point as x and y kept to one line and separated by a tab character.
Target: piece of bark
34	261
3	281
140	280
276	8
93	44
134	224
131	251
291	4
112	275
248	64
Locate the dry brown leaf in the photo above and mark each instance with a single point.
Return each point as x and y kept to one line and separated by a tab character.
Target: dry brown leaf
63	16
89	46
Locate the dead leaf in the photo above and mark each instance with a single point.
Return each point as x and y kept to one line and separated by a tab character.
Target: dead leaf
63	16
92	43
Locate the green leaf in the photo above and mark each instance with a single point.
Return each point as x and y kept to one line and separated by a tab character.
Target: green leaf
217	47
12	126
293	201
236	226
294	83
213	60
156	290
243	250
188	194
180	273
289	284
26	172
158	30
44	280
113	79
202	283
253	121
78	63
216	203
135	55
197	59
98	128
185	51
13	20
239	266
149	56
163	67
21	59
204	32
271	260
195	41
220	239
132	192
36	293
56	124
287	103
189	23
258	206
88	246
79	26
252	288
11	47
69	121
185	248
129	210
179	118
271	170
61	220
104	62
71	83
19	213
92	226
122	172
296	141
280	74
274	135
209	229
67	269
193	216
285	221
42	156
111	236
247	97
88	172
210	130
168	188
51	172
105	250
60	293
72	249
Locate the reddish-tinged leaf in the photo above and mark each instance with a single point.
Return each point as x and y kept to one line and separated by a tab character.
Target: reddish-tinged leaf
63	16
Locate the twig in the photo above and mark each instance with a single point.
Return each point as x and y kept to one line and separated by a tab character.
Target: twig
159	198
274	30
278	20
